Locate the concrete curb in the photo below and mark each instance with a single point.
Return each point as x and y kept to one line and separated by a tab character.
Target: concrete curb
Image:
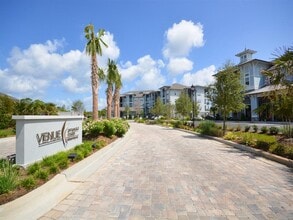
41	200
267	155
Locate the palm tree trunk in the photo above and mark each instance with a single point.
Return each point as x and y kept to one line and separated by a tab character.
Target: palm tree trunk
95	86
117	103
109	101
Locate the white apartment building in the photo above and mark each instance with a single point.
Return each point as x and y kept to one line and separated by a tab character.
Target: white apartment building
254	81
141	102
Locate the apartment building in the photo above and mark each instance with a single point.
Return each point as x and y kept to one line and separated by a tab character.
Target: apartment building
255	83
141	102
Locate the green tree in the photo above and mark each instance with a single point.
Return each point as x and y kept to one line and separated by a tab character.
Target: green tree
112	74
78	107
281	78
169	110
127	111
158	108
183	105
7	107
227	93
94	47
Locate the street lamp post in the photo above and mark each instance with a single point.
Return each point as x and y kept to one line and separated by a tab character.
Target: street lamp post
192	90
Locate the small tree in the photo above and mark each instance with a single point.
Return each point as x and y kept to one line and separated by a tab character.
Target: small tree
281	76
77	106
158	108
227	93
183	105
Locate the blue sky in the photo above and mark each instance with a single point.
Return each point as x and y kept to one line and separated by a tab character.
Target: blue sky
154	42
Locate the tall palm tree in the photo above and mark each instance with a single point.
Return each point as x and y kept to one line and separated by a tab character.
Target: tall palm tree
111	78
118	86
94	47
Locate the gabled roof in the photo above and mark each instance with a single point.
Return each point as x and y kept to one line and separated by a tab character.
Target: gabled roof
175	86
254	60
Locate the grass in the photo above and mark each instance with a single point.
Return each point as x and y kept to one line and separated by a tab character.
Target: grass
15	181
7	132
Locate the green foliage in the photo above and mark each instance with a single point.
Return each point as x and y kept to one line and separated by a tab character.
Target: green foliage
247	128
282	150
287	131
177	124
32	169
53	168
227	94
209	128
274	130
158	108
7	132
282	97
255	128
121	127
28	182
35	107
61	160
8	177
109	129
264	142
42	174
183	105
264	129
77	106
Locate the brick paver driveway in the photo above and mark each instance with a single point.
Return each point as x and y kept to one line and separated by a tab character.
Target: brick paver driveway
162	173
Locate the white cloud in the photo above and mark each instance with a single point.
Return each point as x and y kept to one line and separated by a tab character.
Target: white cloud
179	65
73	85
112	51
146	74
182	37
202	77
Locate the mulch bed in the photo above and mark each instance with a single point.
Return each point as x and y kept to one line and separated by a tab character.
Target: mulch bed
7	197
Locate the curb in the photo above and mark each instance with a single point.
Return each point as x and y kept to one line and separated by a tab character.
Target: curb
42	199
258	152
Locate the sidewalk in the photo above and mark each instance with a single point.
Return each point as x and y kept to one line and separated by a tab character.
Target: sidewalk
7	146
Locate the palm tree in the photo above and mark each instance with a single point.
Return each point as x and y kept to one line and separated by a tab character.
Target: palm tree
118	86
111	78
94	47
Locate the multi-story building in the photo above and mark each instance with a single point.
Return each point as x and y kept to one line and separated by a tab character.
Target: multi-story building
199	95
137	103
253	80
141	102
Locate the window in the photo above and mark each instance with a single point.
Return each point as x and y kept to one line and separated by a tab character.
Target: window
246	78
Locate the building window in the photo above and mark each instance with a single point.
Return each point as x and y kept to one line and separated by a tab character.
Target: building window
246	79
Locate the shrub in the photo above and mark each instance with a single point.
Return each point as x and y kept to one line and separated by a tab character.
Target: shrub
264	142
274	130
255	128
7	132
247	128
209	128
247	139
53	169
8	177
42	174
121	127
28	183
264	129
109	128
32	169
97	128
47	161
287	131
230	136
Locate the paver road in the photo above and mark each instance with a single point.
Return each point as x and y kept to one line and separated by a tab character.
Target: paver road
161	173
